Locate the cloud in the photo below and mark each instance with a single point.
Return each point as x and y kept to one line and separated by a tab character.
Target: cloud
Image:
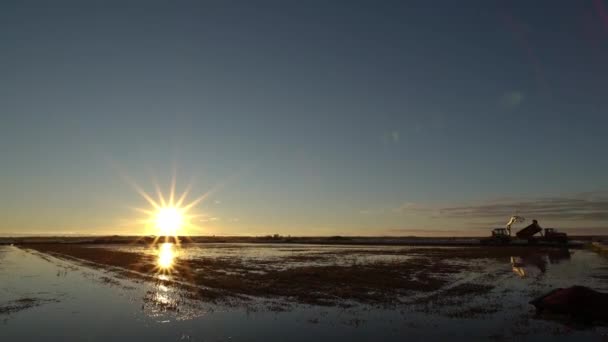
591	207
371	211
405	207
412	207
483	231
583	206
209	219
437	232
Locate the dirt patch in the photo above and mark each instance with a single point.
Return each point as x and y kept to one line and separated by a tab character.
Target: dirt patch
134	261
109	281
24	304
456	295
208	278
328	285
306	258
468	289
474	311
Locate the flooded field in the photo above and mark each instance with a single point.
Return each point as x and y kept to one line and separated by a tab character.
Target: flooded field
261	292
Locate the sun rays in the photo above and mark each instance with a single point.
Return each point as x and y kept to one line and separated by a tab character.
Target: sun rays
169	216
169	219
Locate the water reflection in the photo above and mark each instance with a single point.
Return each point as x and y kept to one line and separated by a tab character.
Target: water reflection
558	255
535	263
166	256
162	297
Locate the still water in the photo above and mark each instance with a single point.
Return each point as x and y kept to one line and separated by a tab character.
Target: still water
43	297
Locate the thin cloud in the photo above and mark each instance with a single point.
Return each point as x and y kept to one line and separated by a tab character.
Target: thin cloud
586	206
412	207
371	211
437	232
209	219
404	208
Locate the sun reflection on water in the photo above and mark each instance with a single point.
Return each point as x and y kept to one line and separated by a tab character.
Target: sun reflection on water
166	256
163	298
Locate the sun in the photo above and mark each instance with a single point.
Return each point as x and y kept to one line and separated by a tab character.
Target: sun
169	221
171	216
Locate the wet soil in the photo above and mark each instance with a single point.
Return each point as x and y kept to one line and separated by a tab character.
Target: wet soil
379	282
23	304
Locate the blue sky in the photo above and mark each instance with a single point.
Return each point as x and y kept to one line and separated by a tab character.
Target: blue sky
317	117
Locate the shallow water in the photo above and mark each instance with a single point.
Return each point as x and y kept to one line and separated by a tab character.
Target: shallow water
46	298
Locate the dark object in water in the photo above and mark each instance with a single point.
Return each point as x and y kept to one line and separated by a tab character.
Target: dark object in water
580	302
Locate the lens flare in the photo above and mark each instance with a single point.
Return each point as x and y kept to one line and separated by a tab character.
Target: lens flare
169	217
169	221
166	256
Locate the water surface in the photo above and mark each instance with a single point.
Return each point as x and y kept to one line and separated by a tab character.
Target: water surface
54	298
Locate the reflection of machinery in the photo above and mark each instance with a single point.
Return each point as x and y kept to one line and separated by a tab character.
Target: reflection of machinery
557	255
535	261
520	264
518	267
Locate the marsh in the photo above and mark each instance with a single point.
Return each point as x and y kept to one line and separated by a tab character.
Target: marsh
260	292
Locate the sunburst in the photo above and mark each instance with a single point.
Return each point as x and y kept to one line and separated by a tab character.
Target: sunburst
169	217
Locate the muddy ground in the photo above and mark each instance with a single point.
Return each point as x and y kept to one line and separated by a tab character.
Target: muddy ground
333	277
480	291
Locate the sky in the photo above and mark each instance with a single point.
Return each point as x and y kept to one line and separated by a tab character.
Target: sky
304	117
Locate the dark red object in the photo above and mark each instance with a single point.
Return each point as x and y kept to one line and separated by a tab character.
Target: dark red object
577	301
